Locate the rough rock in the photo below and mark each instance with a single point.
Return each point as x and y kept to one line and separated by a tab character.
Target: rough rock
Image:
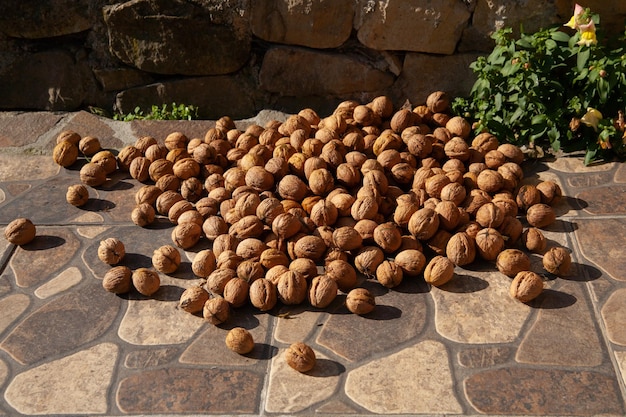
116	79
422	74
177	37
489	16
213	96
34	19
432	26
297	72
303	23
49	80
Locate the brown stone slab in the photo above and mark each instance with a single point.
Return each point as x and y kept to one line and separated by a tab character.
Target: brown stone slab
190	390
602	242
614	316
150	358
88	124
400	315
544	392
25	167
485	357
609	200
19	129
51	249
63	324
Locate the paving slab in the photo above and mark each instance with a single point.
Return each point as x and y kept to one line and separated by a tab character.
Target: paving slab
67	347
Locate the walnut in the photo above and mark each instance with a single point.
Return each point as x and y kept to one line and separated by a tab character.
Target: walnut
323	291
300	357
192	300
388	237
240	340
292	287
364	208
204	263
146	281
458	126
143	214
511	229
216	281
159	168
311	247
435	183
118	280
92	174
126	156
439	271
178	209
489	243
512	153
557	261
250	270
550	192
490	181
186	235
65	154
106	160
248	226
511	261
424	223
223	243
540	215
411	261
344	274
485	142
438	242
324	213
68	136
494	159
111	251
166	200
214	226
449	215
527	196
489	215
77	195
347	238
360	301
286	225
461	249
438	102
307	267
236	292
148	194
457	148
166	259
263	294
526	286
389	274
176	140
453	192
534	240
216	310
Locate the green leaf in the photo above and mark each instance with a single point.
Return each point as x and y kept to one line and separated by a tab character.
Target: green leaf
590	156
560	36
539	119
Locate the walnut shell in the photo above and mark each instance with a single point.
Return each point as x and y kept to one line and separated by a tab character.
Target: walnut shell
118	280
166	200
146	281
216	310
251	248
557	261
490	181
461	249
489	215
240	340
323	291
166	259
77	195
311	247
389	274
300	357
92	174
292	287
111	251
550	192
527	196
526	286
360	301
236	291
286	225
126	155
511	261
347	238
143	214
192	300
534	240
489	243
65	154
439	271
438	102
159	168
148	194
540	215
388	237
204	263
106	160
424	223
411	261
68	136
216	281
263	294
186	235
247	226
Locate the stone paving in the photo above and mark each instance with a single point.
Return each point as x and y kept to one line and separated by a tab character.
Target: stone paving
69	347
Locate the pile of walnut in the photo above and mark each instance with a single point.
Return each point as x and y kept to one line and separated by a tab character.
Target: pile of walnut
392	195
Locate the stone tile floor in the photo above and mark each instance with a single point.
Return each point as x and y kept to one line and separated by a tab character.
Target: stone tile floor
68	347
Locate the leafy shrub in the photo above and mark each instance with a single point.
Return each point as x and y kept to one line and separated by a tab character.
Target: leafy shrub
178	112
552	89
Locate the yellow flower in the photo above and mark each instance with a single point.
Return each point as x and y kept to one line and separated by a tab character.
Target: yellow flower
592	118
587	34
576	18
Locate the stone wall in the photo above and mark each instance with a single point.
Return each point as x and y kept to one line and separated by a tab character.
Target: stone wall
236	57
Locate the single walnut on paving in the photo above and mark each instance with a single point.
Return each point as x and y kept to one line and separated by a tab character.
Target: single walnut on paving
20	231
111	251
300	357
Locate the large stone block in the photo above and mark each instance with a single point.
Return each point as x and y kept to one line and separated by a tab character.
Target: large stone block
49	80
314	23
35	19
432	26
301	72
422	74
213	96
178	37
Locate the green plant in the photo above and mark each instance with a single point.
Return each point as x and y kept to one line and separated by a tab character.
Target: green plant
178	112
552	89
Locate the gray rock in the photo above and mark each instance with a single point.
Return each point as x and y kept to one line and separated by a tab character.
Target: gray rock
177	37
214	96
433	26
315	23
48	80
116	79
301	72
422	74
36	19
